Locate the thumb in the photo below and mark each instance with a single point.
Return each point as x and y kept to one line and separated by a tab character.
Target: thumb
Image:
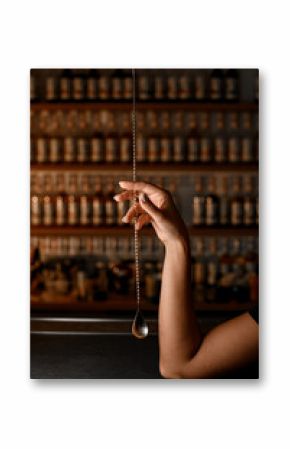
149	207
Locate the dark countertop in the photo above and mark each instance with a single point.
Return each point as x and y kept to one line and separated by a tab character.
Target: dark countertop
73	348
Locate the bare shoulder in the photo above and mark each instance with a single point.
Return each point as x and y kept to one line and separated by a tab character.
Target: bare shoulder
229	346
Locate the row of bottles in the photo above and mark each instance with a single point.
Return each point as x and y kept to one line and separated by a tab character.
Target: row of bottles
86	200
60	205
222	270
234	203
152	149
162	85
87	122
225	269
120	247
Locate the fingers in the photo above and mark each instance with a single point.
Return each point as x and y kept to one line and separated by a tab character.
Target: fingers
140	187
127	195
132	212
149	207
142	220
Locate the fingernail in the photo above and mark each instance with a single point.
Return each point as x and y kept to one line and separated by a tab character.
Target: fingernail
115	197
121	182
125	220
142	197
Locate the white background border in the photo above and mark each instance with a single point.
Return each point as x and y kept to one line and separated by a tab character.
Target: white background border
171	414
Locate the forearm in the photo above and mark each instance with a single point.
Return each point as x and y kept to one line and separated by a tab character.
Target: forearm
179	333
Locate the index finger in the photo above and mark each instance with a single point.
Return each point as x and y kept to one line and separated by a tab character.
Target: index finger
140	186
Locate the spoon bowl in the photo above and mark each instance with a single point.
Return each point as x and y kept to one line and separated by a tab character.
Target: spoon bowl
139	326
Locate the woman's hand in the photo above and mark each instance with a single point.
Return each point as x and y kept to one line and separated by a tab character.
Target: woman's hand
156	206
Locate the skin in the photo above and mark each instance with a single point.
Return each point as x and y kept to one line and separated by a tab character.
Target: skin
184	351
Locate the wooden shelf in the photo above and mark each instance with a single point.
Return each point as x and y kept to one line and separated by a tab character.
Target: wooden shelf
122	303
186	167
127	230
127	106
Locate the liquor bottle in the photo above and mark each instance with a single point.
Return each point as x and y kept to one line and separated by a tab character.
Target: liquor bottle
141	155
246	121
36	203
125	149
178	149
54	150
69	151
66	85
211	203
173	189
199	88
192	122
110	204
41	150
48	202
78	86
219	121
153	150
98	203
159	91
51	88
220	153
236	207
211	270
110	149
104	86
165	149
96	150
198	203
128	85
73	205
249	204
192	149
247	150
85	203
231	85
199	271
223	202
233	121
204	121
143	86
205	150
117	85
60	202
82	150
216	85
92	85
184	87
172	89
233	150
121	273
239	287
165	122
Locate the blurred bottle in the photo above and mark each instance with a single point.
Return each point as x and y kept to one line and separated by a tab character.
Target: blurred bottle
110	204
92	85
69	151
236	207
51	88
249	204
192	149
216	85
232	85
220	154
78	86
86	201
60	202
36	203
199	90
224	202
48	202
211	203
198	203
73	205
66	85
98	203
233	150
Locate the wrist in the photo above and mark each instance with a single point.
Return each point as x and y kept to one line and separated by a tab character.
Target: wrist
180	243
